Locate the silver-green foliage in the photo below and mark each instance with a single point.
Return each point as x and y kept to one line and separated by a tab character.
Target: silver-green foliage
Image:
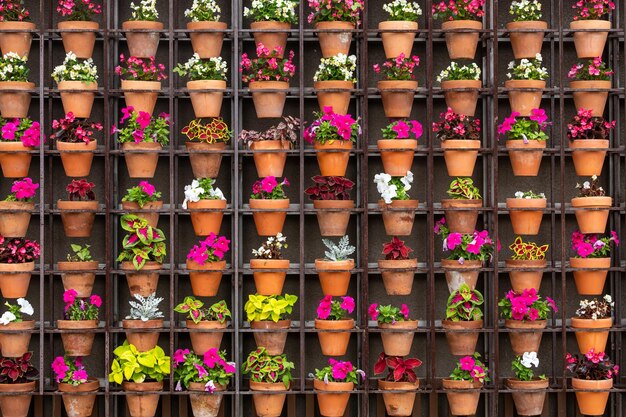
145	308
338	252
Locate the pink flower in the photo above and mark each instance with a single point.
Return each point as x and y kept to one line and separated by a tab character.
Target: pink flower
467	363
211	357
417	129
401	129
201	371
95	300
453	240
552	304
348	304
478	374
147	188
372	311
614	237
8	131
24	189
69	296
268	184
325	307
127	113
60	368
404	310
80	375
340	369
585	249
143	119
179	356
538	115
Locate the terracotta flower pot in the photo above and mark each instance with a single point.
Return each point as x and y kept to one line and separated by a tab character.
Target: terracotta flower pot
14	159
268	405
15	278
398	275
143	340
141	95
139	404
523	101
462	45
206	103
77	276
77	157
78	224
269	104
528	396
333	157
142	44
460	156
398	343
15	103
593	220
397	43
270	222
151	216
332	397
141	158
592	403
77	343
203	405
79	405
80	43
461	221
399	216
271	39
205	165
463	396
144	281
397	155
457	274
591	281
334	343
333	216
335	43
203	340
590	161
15	218
397	103
207	44
461	101
461	340
334	276
526	44
524	220
594	339
14	345
327	95
591	100
206	222
269	282
19	40
273	341
526	336
270	164
399	403
529	275
525	157
16	405
590	44
77	97
205	279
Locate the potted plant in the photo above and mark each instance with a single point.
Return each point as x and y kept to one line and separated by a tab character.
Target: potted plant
205	74
397	90
525	84
271	375
17	375
78	212
331	315
333	136
461	23
139	372
397	148
272	146
591	206
17	262
206	141
463	321
143	201
588	139
16	207
78	270
205	29
269	204
13	79
272	16
592	75
269	269
593	374
268	76
526	16
526	314
144	316
81	35
335	20
591	261
142	255
15	343
526	140
526	264
397	330
202	375
331	200
268	313
588	39
15	19
402	21
80	319
460	138
77	84
19	137
201	195
401	378
335	269
529	392
74	381
140	81
593	320
142	29
460	85
76	143
398	268
206	263
332	385
526	212
141	140
398	209
464	196
204	323
333	81
464	383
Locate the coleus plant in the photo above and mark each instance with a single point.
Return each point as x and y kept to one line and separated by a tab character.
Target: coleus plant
71	129
140	69
527	306
330	126
269	307
16	312
458	10
400	369
142	194
287	131
18	370
594	366
596	308
211	249
215	131
593	245
339	371
525	128
268	66
522	366
463	188
593	69
264	367
400	68
401	129
18	250
335	11
454	126
80	190
79	10
142	242
587	126
210	369
23	190
141	127
269	188
477	246
195	310
527	251
396	250
330	188
592	9
590	188
77	308
24	130
464	304
329	309
471	368
69	370
388	314
271	248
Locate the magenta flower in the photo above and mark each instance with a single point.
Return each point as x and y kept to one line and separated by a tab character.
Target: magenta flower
95	300
416	129
201	371
404	310
467	363
325	307
340	369
372	311
453	240
80	375
24	189
211	357
268	184
179	356
147	188
538	115
143	119
401	129
8	131
348	304
127	112
69	296
60	368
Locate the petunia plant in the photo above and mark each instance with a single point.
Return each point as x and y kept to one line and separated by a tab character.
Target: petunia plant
477	246
77	308
69	370
16	312
339	371
142	194
527	306
269	188
141	127
23	190
329	309
202	189
593	245
24	130
210	369
402	129
528	128
142	242
211	249
470	368
331	126
388	314
522	366
393	188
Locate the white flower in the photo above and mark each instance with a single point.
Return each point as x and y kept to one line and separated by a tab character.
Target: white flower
389	194
407	180
178	386
586	185
7	318
529	359
216	192
25	306
608	299
192	193
210	387
382	181
519	194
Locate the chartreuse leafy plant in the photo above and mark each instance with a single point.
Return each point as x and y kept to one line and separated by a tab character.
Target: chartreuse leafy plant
134	366
522	366
527	251
211	369
464	304
195	310
264	367
142	243
269	307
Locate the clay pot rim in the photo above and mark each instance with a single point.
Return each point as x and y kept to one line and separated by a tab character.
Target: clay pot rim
605	383
85	324
274	264
70	266
525	325
206	23
269	386
131	25
391	385
468	325
453	85
452	25
601	202
84	25
347	324
453	264
399	24
532	144
284	324
145	386
393	264
526	263
539	384
399	326
218	266
334	266
26	387
202	325
148	266
91	382
471	385
318	384
333	205
143	325
528	24
584	323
